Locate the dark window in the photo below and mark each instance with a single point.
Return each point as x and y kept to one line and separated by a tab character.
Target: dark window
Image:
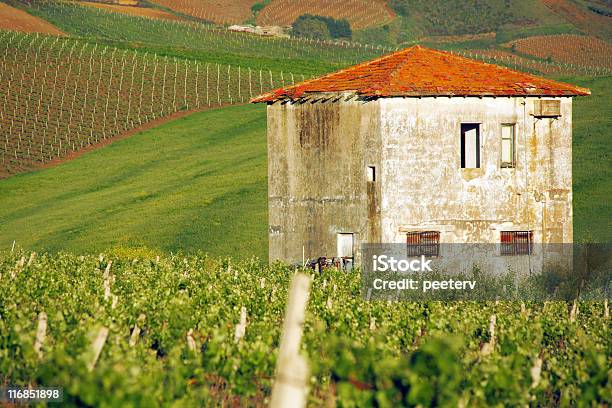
516	242
423	243
470	145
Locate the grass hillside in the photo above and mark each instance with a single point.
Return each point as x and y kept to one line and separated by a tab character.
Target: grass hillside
133	11
495	21
592	165
199	41
104	93
196	183
200	183
439	17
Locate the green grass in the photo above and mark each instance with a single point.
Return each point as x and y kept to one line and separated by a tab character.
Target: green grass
200	183
592	165
195	183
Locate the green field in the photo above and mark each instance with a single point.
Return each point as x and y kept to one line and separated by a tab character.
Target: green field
592	165
200	183
195	183
360	353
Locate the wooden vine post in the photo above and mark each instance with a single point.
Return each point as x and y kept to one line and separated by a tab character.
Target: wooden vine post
290	386
136	331
490	345
96	347
41	332
107	280
240	330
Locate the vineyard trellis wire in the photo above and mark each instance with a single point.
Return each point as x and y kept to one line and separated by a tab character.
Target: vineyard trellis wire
92	22
359	13
534	66
61	95
234	12
572	49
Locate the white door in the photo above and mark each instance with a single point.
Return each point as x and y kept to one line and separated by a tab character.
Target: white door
345	245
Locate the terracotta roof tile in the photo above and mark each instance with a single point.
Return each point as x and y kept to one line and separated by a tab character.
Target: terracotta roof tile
420	71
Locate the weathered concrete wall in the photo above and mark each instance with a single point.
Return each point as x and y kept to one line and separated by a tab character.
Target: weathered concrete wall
425	188
317	188
319	152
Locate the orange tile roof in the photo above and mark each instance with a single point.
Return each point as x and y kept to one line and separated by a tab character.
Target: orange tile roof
420	71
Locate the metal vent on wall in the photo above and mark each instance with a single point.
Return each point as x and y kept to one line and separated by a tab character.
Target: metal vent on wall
547	108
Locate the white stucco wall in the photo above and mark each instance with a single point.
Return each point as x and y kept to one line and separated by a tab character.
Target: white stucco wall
423	186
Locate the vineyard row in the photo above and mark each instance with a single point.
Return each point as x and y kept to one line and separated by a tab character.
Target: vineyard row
59	96
359	13
203	329
92	22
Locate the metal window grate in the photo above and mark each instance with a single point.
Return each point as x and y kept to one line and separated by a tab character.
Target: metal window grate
423	243
516	242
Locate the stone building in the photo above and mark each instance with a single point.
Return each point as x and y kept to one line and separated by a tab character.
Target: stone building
419	147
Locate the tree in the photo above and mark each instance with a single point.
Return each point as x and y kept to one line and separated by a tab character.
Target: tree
339	28
310	27
401	7
320	27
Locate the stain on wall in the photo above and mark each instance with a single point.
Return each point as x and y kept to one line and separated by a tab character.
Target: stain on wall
318	154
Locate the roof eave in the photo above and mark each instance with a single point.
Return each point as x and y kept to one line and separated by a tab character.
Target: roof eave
274	98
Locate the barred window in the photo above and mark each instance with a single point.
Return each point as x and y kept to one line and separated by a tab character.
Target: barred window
516	242
423	243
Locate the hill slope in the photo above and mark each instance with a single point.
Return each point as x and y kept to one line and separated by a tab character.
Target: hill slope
196	183
200	183
359	13
134	11
18	20
219	12
61	96
592	165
